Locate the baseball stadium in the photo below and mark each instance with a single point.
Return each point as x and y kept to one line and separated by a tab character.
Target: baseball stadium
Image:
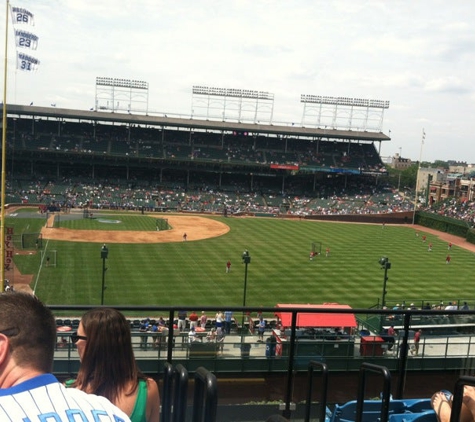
226	210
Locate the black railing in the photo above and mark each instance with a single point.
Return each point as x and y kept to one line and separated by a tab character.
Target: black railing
174	348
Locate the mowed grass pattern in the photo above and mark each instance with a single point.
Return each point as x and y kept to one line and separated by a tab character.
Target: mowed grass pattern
117	222
193	273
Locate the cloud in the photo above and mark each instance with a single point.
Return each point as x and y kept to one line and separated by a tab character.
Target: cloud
448	85
418	55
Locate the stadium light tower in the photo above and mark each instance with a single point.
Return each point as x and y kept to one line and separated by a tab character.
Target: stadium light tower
104	256
385	265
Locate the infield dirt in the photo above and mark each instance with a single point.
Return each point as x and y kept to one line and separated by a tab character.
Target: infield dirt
195	227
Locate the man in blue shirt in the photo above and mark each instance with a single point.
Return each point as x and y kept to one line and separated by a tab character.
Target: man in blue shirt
228	318
28	390
261	328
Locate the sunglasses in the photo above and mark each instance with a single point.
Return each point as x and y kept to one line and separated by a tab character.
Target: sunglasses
75	337
10	332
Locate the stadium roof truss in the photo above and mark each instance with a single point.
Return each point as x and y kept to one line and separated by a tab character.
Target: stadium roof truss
178	123
114	94
343	112
229	104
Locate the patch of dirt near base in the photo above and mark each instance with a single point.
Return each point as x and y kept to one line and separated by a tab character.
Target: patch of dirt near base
196	228
19	281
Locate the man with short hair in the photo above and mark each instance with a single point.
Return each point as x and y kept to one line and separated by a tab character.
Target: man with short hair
261	328
182	320
417	341
28	390
193	319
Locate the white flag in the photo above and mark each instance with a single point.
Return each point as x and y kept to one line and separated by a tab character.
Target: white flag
26	39
26	63
21	16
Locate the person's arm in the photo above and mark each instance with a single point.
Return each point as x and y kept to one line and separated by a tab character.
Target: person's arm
153	401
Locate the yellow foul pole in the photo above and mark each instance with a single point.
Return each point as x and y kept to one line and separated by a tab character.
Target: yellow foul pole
4	155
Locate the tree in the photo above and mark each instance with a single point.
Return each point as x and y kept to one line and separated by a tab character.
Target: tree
441	164
403	178
409	176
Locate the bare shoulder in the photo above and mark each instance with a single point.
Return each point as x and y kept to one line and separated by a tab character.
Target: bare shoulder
152	387
153	401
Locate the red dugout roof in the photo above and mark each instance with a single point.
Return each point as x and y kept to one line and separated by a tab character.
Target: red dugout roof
317	320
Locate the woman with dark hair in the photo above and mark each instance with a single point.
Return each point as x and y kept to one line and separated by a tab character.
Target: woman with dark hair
108	366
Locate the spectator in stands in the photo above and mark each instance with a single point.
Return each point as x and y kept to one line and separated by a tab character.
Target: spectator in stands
182	320
452	306
228	319
219	321
192	335
391	338
102	333
395	308
220	335
211	335
144	327
465	307
27	342
203	319
193	319
154	330
261	328
417	341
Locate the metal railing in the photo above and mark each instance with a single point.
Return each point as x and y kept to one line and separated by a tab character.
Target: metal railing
344	351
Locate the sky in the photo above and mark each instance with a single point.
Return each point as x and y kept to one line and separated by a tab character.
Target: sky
417	55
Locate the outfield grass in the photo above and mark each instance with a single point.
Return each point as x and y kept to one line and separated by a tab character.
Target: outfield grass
113	221
193	273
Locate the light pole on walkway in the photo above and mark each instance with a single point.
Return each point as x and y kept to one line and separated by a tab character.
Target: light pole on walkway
104	255
385	265
246	260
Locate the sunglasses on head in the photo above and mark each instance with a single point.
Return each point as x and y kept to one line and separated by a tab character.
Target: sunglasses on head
75	337
10	332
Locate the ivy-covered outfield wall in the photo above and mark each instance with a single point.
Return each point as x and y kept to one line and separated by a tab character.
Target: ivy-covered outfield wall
446	224
433	221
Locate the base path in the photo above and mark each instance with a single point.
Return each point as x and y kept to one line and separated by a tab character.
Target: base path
196	228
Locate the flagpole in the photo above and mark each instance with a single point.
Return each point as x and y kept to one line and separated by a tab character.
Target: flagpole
417	177
4	155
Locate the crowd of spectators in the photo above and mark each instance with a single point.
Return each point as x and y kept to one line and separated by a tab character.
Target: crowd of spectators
235	197
237	192
451	305
154	142
453	208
